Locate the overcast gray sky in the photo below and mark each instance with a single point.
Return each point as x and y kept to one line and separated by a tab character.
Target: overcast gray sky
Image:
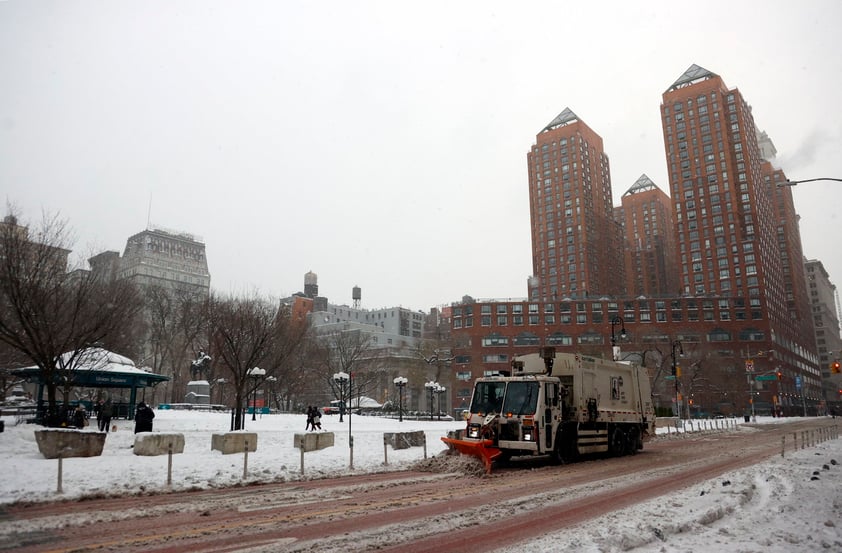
381	144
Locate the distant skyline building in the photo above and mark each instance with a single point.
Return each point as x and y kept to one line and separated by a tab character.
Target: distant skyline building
824	307
647	223
576	243
158	257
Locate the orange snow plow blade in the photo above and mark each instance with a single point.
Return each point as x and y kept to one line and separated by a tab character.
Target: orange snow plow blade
484	449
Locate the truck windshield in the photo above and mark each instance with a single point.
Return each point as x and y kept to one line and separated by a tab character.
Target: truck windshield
521	398
488	397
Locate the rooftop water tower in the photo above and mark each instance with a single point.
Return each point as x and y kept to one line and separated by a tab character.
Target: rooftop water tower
311	284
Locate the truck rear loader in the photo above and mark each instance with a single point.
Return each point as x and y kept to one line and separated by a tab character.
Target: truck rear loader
558	404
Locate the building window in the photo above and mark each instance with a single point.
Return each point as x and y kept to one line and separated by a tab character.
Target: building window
559	339
591	338
527	339
719	335
495	340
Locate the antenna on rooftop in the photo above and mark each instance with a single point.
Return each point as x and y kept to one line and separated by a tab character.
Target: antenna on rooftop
149	213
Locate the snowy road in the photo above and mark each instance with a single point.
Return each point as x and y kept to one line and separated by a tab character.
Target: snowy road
398	511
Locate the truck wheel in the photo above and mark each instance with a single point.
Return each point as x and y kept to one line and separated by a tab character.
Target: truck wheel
633	441
564	451
617	442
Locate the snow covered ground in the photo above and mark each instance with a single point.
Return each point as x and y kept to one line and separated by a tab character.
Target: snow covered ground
784	505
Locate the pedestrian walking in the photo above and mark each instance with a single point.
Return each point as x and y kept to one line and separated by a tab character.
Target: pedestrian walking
317	419
143	418
309	419
103	417
80	417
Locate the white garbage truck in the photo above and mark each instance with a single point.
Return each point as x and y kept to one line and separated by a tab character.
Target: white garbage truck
559	404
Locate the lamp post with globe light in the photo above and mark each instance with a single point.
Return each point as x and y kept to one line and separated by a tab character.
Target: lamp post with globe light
255	374
439	390
431	386
400	382
270	380
221	382
344	381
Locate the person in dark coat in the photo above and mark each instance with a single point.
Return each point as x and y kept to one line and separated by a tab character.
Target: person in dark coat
309	419
80	417
317	419
143	418
103	417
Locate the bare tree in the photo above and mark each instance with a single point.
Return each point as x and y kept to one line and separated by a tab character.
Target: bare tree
249	332
353	352
177	329
53	317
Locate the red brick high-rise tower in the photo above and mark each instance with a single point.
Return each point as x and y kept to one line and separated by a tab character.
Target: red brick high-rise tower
646	216
576	243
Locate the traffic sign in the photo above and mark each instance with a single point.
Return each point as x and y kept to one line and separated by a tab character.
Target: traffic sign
749	365
766	377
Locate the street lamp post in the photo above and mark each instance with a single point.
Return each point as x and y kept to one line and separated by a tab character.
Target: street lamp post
400	382
794	182
439	390
271	384
615	352
676	373
221	382
344	379
431	386
255	374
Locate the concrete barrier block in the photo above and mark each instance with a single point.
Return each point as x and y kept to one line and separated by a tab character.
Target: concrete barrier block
64	443
313	441
404	440
234	442
157	443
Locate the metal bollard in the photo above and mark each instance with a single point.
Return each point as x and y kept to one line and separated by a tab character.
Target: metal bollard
169	465
58	487
246	460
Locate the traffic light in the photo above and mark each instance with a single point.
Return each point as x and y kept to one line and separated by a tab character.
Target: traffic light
779	375
834	367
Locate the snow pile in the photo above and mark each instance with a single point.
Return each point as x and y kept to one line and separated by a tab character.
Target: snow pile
789	505
456	464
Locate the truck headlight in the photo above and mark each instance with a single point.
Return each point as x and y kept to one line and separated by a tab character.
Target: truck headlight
473	431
